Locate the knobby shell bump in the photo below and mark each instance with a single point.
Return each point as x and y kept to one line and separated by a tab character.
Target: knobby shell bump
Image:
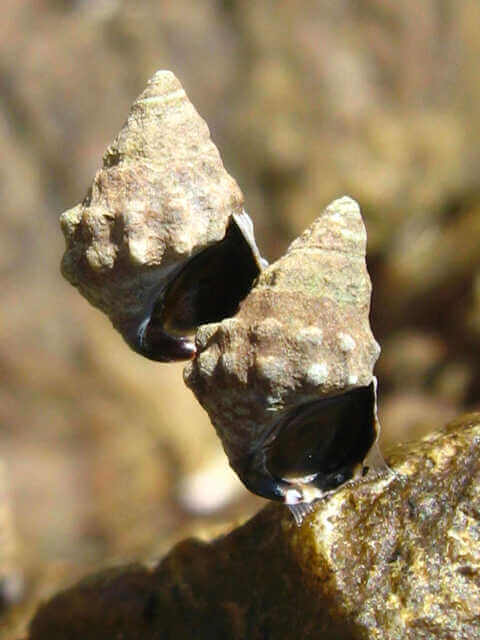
288	381
161	242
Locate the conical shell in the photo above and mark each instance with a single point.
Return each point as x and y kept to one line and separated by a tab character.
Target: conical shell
299	353
161	198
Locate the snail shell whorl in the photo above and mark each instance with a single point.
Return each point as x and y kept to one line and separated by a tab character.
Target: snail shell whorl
300	336
162	197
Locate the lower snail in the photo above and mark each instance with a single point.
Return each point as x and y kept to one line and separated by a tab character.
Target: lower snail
288	381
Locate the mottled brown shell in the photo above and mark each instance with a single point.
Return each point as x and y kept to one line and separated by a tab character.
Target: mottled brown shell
301	336
161	198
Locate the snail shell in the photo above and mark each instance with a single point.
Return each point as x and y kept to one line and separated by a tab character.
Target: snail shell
288	381
161	243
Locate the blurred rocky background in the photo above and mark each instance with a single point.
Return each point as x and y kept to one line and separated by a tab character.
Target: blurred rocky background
106	457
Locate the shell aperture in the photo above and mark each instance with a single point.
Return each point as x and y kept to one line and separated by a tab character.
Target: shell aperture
315	448
288	381
323	440
208	288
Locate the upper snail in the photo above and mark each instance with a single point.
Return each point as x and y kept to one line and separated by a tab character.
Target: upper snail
161	242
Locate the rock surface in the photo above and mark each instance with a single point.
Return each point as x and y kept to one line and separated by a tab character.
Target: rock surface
392	557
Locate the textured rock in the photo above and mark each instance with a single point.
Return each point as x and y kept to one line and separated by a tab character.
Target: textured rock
392	558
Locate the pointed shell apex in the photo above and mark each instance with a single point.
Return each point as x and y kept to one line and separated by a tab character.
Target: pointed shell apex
345	206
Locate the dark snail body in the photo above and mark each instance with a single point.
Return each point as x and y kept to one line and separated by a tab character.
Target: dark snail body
207	288
324	439
318	444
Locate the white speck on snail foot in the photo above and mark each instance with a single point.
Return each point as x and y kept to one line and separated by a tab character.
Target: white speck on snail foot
292	496
317	373
347	343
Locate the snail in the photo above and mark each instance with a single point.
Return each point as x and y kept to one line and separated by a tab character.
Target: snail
288	380
161	243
